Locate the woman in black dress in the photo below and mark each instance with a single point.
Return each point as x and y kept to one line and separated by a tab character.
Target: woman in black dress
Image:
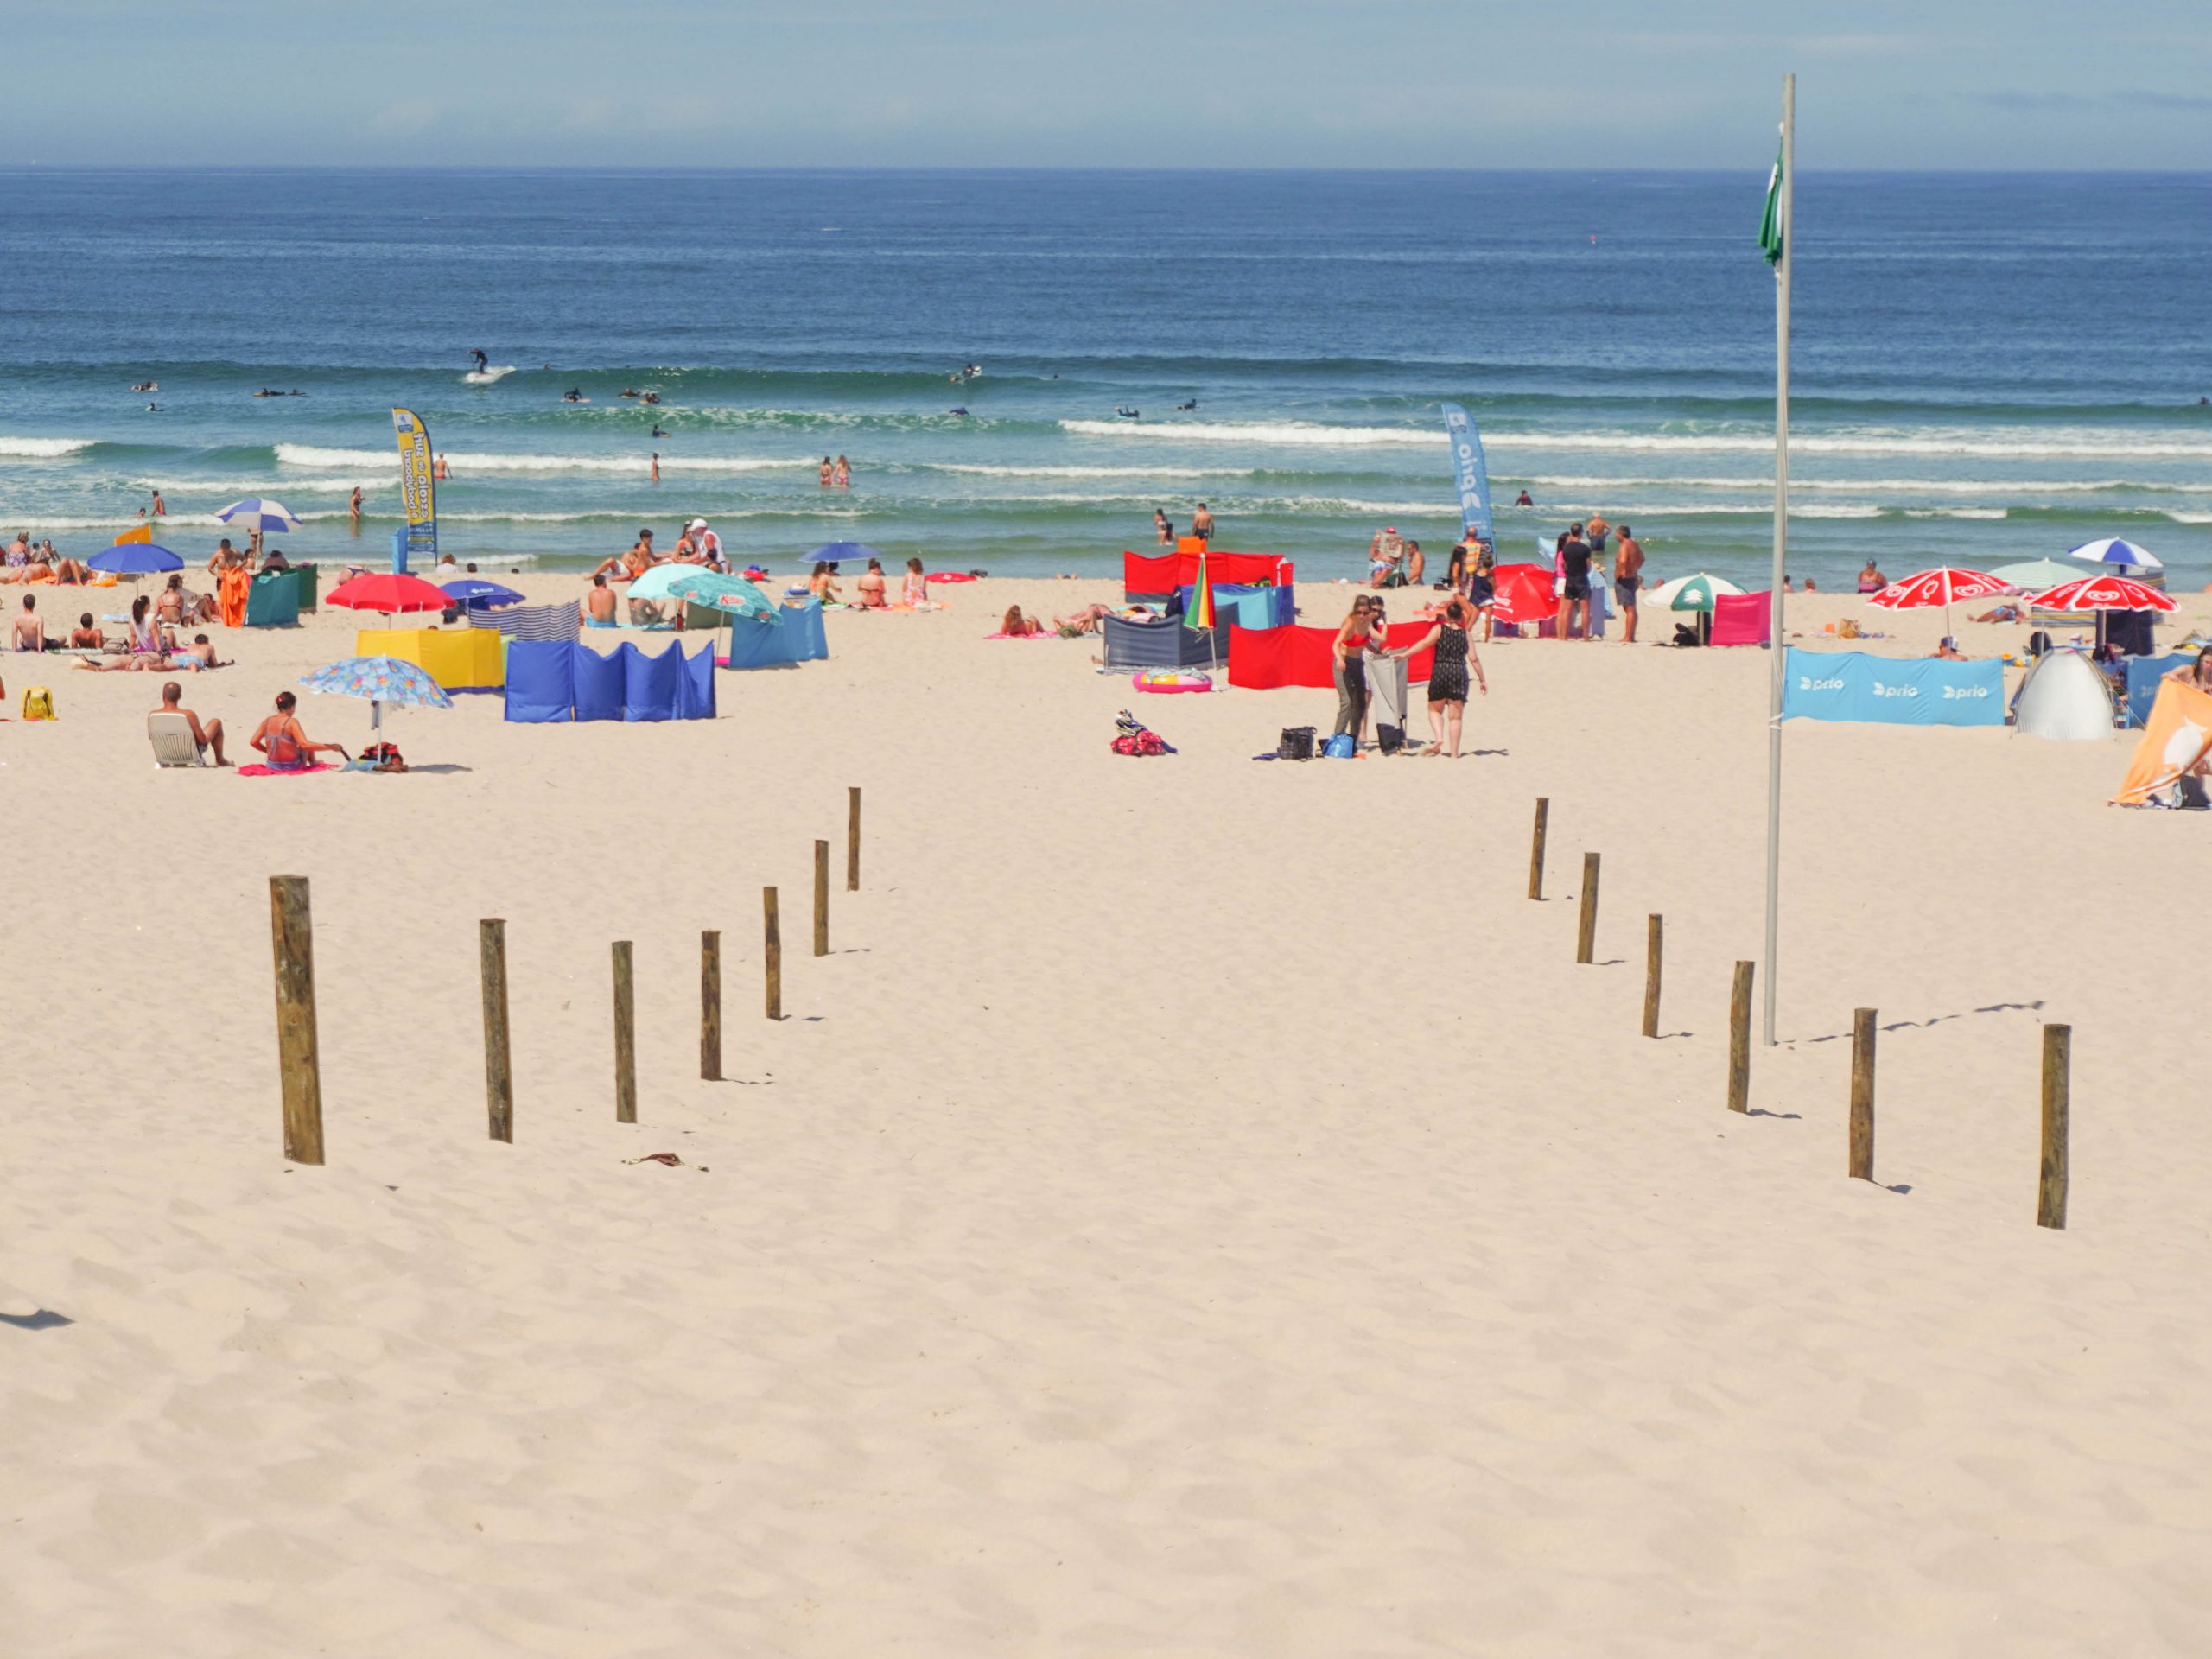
1448	675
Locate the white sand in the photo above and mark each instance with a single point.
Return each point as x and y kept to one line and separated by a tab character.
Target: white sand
1198	1208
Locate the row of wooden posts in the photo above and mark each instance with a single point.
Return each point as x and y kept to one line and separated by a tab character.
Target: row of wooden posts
2057	1041
299	1055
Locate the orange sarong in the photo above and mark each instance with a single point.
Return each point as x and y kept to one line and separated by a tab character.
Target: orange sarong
231	595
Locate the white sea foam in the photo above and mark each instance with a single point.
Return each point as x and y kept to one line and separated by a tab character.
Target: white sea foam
464	462
2190	517
1954	513
1981	487
1086	472
42	448
1298	432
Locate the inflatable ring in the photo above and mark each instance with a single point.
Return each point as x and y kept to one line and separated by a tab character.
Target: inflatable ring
1171	679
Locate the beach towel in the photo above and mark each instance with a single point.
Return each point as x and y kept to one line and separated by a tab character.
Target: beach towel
2177	738
257	770
234	590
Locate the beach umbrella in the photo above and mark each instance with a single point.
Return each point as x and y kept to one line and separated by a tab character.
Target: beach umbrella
257	515
141	532
2106	593
1521	595
2034	574
381	680
838	552
389	592
1937	586
2113	551
474	591
135	559
1691	593
654	584
731	593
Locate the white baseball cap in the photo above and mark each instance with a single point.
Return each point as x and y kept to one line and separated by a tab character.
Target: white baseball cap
697	524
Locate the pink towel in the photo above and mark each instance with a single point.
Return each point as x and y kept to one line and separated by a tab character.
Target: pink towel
259	771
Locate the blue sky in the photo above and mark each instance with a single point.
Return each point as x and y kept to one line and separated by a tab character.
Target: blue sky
1108	83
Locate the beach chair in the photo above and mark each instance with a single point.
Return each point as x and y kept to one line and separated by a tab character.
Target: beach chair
171	736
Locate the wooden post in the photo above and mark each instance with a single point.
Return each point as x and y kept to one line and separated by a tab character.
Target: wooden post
1536	849
2057	1089
1586	938
498	1074
821	898
1862	1094
1740	1041
299	1057
853	840
626	1038
1654	936
773	952
710	1005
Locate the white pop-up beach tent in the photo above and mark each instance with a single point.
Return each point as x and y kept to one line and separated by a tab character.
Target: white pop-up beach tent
2065	696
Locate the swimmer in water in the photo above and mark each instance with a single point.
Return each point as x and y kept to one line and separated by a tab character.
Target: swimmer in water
1193	403
962	413
153	409
482	361
657	431
1127	413
572	394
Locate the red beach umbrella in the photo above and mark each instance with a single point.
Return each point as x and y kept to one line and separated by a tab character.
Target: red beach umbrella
1937	586
2103	593
389	591
1523	593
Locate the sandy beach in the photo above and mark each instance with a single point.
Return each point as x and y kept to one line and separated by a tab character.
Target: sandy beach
1198	1208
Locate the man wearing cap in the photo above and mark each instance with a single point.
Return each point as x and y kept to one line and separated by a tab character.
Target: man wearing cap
708	544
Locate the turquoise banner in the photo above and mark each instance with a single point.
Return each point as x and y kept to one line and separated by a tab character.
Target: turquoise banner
1918	691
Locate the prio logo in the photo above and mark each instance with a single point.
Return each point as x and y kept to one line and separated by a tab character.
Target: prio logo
1808	684
1954	691
1881	690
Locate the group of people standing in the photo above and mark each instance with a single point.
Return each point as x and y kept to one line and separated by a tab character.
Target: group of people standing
1364	638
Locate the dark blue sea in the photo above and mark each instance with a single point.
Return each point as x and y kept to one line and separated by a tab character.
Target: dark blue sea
1987	368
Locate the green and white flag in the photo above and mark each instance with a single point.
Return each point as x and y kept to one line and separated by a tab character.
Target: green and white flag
1770	220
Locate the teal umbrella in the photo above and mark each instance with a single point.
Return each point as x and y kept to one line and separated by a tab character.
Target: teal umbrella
731	593
2035	575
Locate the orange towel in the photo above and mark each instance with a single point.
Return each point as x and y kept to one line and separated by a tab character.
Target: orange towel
235	586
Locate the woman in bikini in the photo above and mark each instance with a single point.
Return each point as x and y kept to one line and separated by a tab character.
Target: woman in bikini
1014	626
1871	580
1349	669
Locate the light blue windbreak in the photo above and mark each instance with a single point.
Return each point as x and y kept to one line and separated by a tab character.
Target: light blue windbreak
1470	472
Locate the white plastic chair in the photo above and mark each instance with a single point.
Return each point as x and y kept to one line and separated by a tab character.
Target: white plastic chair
171	735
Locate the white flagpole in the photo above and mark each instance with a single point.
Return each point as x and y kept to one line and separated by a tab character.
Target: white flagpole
1775	647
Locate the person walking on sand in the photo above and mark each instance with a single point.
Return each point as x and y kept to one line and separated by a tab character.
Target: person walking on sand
206	736
1448	675
1628	580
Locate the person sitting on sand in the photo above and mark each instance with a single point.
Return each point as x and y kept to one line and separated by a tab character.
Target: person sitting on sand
1947	650
1871	580
30	633
823	584
1085	620
177	604
2197	676
1014	626
287	746
599	603
914	590
207	735
870	588
86	635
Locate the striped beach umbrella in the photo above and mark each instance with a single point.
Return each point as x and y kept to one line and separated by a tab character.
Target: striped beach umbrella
257	515
2107	592
2113	551
1693	592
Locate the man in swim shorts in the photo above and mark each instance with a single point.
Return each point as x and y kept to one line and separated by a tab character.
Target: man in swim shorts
1628	580
599	604
1575	595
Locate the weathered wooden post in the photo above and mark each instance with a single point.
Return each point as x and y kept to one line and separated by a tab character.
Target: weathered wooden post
499	1073
1654	932
1862	1094
299	1055
821	898
626	1038
772	946
2058	1088
1740	1041
853	840
1586	938
1536	848
710	1005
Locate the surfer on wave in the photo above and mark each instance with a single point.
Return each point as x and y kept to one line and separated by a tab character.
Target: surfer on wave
482	361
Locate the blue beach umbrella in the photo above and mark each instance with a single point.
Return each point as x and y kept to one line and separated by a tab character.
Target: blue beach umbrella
475	593
257	515
135	559
381	680
838	552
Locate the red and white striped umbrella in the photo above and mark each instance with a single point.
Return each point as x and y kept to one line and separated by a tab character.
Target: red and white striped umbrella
2105	593
1938	586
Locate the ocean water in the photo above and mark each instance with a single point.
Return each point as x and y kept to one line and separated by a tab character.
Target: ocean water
1987	368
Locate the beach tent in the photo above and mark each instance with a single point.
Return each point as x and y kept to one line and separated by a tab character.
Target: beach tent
2144	674
2176	741
1159	645
1264	658
550	680
1742	618
796	636
2064	696
1151	580
459	659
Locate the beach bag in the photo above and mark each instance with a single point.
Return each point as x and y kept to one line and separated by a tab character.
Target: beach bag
1342	746
1296	744
38	703
1390	739
1140	743
1685	634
